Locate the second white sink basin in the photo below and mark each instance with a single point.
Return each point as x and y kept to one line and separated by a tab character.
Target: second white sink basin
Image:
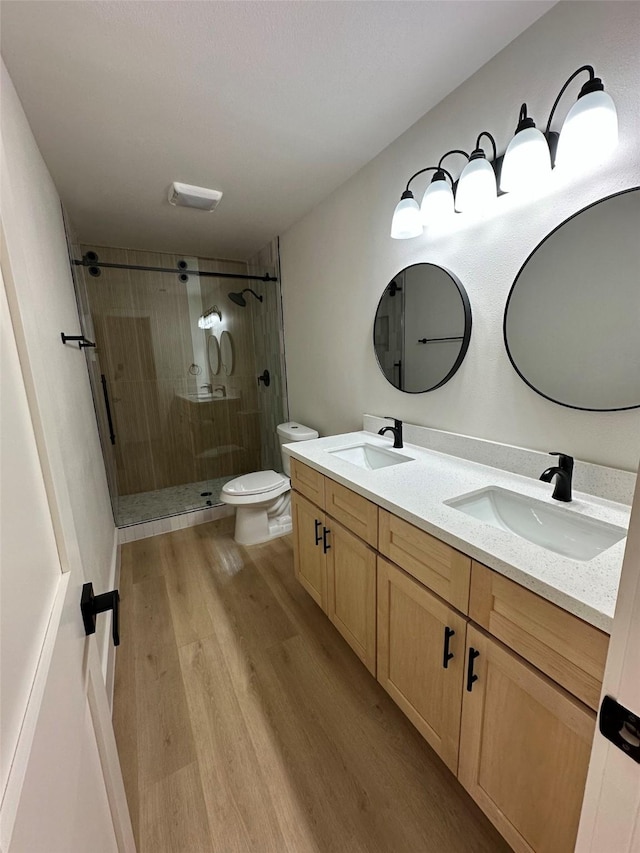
568	533
369	456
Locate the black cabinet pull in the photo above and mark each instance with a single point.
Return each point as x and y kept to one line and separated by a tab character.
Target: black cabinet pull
325	544
318	534
446	654
107	406
473	654
91	605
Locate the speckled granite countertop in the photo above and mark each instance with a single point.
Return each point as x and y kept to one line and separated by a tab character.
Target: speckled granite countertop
417	490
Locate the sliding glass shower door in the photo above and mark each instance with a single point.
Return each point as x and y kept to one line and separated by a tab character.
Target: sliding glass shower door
175	374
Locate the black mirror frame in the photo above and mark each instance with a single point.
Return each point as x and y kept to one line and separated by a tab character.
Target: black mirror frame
467	327
513	286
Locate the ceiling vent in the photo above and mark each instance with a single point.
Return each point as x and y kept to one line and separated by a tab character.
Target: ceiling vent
201	198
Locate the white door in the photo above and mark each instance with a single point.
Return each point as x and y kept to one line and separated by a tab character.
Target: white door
610	821
62	789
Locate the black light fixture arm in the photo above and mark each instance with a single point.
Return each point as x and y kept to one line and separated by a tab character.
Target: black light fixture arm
592	79
453	151
430	169
493	143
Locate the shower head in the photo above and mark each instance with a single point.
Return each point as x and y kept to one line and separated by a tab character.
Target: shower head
239	299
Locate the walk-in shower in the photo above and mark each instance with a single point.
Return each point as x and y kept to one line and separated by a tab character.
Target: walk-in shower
175	372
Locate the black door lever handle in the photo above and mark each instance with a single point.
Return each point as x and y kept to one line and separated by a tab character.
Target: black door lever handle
91	605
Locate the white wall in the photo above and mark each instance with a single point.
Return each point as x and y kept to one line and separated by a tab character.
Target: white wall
338	259
42	302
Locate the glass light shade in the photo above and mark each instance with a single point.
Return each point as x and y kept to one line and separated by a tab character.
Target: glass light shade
406	219
436	202
476	186
589	133
527	161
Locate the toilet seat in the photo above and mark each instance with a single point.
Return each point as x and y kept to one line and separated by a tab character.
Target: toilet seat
255	488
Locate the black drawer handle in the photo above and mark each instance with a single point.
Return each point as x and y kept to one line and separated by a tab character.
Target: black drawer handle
446	654
325	544
318	534
473	654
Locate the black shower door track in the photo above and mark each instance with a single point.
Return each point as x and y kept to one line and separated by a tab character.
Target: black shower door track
176	271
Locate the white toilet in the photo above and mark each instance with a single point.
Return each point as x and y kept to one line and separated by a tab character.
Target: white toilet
263	500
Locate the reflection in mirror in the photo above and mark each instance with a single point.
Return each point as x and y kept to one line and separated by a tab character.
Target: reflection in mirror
572	318
422	328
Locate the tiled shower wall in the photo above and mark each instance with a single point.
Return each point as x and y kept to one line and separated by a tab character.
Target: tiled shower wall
268	339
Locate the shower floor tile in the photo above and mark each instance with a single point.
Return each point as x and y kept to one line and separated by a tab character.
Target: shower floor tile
148	506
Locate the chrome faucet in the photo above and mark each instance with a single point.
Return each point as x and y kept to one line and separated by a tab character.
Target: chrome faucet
221	388
396	429
563	472
207	387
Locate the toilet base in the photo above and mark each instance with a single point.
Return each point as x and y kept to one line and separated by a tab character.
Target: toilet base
262	522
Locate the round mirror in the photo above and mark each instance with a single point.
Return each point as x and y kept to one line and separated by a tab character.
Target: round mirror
573	313
422	328
213	351
226	352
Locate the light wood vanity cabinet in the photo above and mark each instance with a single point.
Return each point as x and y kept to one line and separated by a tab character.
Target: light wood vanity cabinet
336	566
519	739
421	654
565	648
524	750
308	554
443	569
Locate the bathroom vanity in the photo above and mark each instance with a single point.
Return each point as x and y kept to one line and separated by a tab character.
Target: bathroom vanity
492	646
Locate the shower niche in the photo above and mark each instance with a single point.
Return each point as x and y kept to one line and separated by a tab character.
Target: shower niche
174	373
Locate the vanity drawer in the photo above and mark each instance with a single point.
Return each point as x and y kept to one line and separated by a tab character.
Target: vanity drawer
352	510
308	482
438	566
564	647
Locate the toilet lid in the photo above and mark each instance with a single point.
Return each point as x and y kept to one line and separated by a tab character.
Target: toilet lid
254	484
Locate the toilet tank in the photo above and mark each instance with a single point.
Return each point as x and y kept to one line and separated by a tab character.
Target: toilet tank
289	432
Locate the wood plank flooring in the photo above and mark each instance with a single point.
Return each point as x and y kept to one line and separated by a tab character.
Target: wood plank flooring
245	724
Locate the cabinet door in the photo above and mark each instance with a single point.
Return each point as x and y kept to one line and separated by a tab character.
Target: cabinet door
308	554
524	750
414	633
351	578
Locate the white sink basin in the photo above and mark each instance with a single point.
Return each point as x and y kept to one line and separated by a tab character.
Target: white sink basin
369	456
557	529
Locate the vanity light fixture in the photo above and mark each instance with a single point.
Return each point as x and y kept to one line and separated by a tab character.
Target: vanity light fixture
477	189
438	198
527	160
590	130
207	319
406	220
589	134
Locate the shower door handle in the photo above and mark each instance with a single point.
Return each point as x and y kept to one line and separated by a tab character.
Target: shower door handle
107	406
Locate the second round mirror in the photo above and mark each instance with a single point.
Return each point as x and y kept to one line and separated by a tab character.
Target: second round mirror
422	328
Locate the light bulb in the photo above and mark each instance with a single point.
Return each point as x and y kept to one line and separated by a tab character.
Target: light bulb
406	218
527	160
589	133
437	202
477	189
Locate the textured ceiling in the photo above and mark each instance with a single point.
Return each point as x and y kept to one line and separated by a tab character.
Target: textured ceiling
275	103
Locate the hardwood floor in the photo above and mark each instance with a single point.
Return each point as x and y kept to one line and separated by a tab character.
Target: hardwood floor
245	724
